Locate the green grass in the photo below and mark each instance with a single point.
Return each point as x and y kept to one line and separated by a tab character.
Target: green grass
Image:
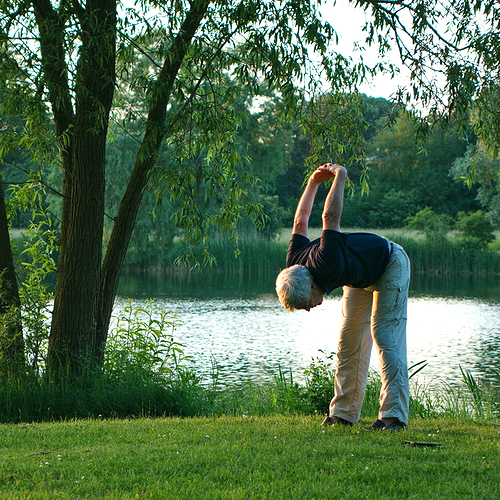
247	458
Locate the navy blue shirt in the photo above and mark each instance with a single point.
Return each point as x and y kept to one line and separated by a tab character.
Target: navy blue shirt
337	259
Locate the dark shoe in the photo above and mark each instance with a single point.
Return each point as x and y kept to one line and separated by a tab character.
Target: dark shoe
395	426
335	421
378	425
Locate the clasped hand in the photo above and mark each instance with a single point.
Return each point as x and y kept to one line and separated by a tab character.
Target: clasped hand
326	172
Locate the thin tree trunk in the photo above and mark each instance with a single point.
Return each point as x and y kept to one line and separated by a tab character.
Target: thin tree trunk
153	137
12	360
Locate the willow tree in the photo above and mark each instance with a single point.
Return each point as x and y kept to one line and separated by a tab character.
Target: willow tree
69	67
451	49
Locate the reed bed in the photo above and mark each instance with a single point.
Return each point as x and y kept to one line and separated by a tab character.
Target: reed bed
449	257
443	257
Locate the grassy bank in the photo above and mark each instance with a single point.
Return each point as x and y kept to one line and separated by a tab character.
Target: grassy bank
134	392
248	458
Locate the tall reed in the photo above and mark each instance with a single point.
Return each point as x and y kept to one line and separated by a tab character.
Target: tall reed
448	257
251	253
248	255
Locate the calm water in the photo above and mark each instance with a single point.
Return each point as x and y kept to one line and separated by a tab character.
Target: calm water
243	328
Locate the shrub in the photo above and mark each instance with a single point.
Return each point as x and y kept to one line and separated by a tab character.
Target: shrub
475	228
319	381
433	225
140	342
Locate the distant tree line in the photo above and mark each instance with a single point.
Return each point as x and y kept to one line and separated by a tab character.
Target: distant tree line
403	177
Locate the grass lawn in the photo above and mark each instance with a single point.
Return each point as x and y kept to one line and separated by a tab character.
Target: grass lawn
248	458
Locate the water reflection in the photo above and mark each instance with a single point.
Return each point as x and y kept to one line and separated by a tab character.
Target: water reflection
457	287
238	323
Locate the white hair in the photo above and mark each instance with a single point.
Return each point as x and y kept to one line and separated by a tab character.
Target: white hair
293	286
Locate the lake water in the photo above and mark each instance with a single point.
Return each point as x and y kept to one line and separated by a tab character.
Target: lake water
243	328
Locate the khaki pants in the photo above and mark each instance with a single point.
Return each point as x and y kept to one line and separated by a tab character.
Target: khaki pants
376	314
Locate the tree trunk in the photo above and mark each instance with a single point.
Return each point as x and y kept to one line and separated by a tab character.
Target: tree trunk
72	337
81	313
73	343
12	360
153	137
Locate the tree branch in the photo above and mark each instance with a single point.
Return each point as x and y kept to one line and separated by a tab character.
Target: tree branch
155	130
379	5
27	172
51	32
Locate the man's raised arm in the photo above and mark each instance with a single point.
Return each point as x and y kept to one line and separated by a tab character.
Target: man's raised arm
334	203
304	207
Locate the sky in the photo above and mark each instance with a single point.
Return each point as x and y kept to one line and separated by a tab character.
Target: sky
348	22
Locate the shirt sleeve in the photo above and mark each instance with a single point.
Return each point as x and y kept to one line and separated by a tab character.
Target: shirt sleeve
297	250
331	259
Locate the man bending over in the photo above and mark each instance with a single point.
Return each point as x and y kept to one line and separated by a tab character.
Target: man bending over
375	274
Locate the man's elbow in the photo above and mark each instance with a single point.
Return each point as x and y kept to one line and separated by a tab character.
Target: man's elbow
331	221
300	225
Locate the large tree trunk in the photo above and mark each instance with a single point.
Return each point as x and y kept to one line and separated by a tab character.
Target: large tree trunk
12	360
72	337
73	343
81	314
